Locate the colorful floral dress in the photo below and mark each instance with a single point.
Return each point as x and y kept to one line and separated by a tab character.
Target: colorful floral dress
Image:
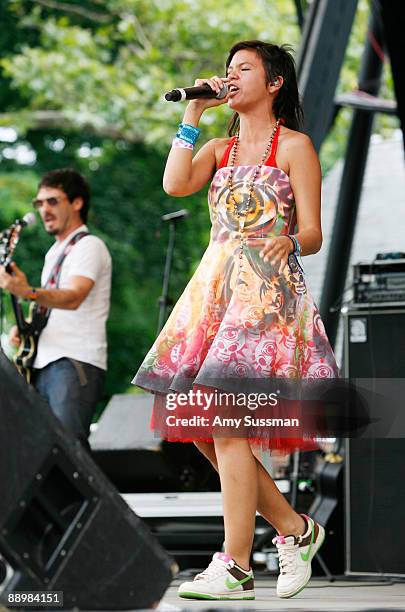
238	318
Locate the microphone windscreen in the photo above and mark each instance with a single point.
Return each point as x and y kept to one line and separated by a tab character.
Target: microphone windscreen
223	92
29	218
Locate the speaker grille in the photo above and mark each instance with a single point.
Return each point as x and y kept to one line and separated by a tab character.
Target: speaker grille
374	343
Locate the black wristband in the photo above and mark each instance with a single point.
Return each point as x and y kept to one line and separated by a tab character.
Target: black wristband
293	243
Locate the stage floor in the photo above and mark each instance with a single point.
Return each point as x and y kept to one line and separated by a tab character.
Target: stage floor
348	595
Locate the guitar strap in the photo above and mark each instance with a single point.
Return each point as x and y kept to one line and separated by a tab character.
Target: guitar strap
54	277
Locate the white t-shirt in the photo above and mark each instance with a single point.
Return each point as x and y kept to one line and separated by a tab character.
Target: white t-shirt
79	334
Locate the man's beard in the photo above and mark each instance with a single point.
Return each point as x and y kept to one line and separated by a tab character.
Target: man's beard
52	232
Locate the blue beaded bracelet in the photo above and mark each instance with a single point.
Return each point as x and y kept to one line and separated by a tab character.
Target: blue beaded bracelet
189	133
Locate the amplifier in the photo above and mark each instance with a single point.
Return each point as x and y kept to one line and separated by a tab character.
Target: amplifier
382	280
375	506
374	347
374	341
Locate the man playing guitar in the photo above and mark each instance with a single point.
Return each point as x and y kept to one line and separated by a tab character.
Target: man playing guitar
71	354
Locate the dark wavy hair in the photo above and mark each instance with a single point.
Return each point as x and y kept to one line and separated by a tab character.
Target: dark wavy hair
73	184
276	61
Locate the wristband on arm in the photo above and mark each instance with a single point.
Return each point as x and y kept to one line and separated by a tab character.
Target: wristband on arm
32	295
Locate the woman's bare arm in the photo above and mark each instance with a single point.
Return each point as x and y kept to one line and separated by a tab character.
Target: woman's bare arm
185	174
305	178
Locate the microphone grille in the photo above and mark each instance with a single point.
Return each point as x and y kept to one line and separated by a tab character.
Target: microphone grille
223	92
29	218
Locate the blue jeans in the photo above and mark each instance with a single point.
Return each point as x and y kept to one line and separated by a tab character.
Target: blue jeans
72	389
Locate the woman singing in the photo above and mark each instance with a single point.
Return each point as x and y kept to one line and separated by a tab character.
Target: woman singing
247	312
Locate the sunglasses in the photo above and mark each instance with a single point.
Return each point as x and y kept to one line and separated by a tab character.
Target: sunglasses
38	203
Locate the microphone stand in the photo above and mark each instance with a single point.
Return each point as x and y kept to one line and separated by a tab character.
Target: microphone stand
163	300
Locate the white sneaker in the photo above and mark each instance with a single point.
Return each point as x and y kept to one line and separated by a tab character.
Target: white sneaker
223	579
295	555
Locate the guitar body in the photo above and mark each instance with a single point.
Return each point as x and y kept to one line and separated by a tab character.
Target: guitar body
328	509
29	330
25	357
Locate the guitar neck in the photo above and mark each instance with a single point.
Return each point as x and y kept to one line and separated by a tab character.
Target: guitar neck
17	308
19	314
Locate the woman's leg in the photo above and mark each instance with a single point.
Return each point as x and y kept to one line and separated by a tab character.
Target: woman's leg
237	469
271	504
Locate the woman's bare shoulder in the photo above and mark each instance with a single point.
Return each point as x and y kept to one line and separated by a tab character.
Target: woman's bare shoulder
219	145
291	144
294	137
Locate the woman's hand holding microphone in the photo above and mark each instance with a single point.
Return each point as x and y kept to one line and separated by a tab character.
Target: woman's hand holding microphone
216	83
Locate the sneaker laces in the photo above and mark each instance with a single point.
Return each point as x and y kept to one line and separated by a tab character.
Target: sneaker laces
216	568
287	553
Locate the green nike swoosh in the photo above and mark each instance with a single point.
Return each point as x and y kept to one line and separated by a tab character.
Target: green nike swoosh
305	556
232	585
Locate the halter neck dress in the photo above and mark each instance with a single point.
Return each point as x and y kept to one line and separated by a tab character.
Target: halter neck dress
238	318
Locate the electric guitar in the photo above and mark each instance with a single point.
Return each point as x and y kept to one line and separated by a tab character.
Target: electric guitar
30	327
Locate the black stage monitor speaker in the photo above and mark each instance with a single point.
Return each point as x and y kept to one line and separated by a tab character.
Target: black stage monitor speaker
63	526
374	347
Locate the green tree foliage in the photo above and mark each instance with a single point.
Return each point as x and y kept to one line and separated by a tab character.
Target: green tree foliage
107	64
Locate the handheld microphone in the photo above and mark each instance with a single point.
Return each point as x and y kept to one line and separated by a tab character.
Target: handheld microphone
10	237
196	93
28	219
